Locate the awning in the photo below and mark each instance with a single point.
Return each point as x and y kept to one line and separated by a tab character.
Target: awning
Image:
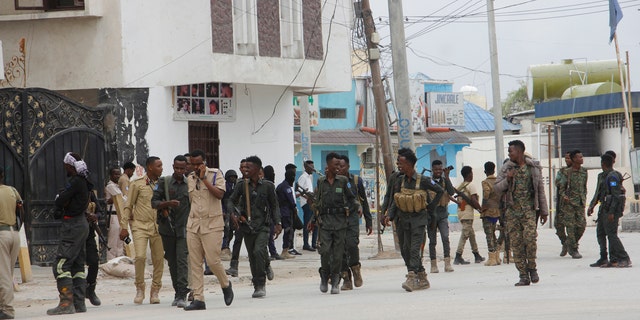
357	137
603	104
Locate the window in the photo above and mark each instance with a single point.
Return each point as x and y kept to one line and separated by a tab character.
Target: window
211	101
245	27
333	113
291	26
49	5
204	136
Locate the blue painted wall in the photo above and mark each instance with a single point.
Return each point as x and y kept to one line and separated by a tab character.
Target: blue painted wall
438	87
341	100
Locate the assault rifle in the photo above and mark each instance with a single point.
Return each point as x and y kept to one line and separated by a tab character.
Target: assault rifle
305	192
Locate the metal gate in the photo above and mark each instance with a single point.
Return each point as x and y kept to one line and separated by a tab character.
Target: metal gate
38	128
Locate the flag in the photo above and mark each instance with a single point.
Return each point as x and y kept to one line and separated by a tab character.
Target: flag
615	15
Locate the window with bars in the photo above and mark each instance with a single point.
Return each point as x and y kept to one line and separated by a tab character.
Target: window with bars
204	136
333	113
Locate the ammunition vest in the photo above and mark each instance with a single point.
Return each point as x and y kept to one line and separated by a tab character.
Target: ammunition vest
444	201
411	200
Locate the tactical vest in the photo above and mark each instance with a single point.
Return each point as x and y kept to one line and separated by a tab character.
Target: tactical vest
444	201
411	200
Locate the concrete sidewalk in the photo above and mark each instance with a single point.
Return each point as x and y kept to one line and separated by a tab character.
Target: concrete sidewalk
568	289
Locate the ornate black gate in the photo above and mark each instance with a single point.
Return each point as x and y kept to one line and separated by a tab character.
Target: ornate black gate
38	128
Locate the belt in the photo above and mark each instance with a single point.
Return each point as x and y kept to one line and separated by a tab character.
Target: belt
7	228
334	211
113	212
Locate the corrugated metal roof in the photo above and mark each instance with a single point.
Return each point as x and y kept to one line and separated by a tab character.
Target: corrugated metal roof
477	119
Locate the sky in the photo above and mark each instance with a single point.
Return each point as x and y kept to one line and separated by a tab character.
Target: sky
449	39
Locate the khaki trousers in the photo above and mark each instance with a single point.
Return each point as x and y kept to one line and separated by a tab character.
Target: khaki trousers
9	248
205	246
140	240
113	239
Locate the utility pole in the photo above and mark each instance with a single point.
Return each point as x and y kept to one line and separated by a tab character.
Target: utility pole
495	84
305	127
400	75
382	124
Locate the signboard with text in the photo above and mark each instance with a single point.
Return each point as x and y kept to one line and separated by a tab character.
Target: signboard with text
445	109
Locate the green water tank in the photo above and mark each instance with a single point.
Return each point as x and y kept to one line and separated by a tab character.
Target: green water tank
592	89
550	81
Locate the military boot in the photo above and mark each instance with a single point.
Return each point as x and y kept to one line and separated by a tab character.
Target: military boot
139	294
497	257
225	254
285	254
79	294
259	288
563	252
602	261
575	254
91	294
233	269
524	280
335	283
357	275
492	260
478	257
347	284
533	275
459	259
434	266
65	306
410	283
422	282
153	295
447	264
324	281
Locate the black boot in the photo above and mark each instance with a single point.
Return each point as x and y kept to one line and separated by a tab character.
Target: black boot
533	274
233	268
324	281
259	289
478	257
91	294
459	260
601	262
524	280
335	283
228	294
79	294
65	306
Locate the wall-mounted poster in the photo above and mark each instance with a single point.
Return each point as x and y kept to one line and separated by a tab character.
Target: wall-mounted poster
211	101
314	114
446	109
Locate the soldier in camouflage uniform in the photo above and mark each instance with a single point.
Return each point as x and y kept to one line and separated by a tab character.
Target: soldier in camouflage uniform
572	199
439	217
610	194
351	260
490	213
409	212
558	221
521	181
334	203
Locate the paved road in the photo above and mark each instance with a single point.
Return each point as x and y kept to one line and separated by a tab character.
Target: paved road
569	289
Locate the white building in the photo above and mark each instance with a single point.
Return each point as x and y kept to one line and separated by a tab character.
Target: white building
130	55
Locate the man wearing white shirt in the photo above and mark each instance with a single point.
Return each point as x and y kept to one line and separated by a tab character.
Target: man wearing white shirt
305	182
116	246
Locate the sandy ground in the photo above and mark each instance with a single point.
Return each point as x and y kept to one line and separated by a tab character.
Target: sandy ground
569	289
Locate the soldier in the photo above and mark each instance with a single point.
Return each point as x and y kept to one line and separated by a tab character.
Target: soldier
10	206
611	196
205	227
572	197
237	242
439	219
287	204
123	182
68	267
467	202
490	213
558	223
334	202
230	178
521	180
257	208
142	218
409	213
171	200
351	261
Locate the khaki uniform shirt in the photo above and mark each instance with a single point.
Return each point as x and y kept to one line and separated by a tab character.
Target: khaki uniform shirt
8	198
205	215
123	184
469	190
490	198
138	208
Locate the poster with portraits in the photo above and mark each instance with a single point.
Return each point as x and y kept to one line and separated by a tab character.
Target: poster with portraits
211	101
